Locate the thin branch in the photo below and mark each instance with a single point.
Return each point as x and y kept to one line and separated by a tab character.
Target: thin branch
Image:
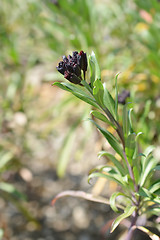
131	172
84	195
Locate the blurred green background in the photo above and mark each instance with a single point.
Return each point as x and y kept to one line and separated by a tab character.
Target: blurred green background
44	135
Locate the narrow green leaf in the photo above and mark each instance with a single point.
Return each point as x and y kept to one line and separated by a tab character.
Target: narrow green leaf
155	187
147	169
156	200
154	211
60	85
109	101
145	161
118	164
138	135
97	69
78	92
128	212
107	176
98	91
73	88
116	96
136	173
130	146
149	150
90	101
125	121
145	193
102	117
112	174
137	167
130	120
111	139
113	201
92	69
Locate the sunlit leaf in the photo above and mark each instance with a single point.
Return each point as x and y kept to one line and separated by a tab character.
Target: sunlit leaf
155	187
147	168
113	177
113	200
130	146
78	92
125	121
145	193
87	100
102	117
118	164
136	173
109	101
149	150
98	91
96	66
92	66
111	139
130	120
154	211
127	212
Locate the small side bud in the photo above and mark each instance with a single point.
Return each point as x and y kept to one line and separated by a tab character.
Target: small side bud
123	96
82	58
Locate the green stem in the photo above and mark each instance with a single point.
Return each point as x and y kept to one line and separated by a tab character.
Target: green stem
132	227
119	129
130	172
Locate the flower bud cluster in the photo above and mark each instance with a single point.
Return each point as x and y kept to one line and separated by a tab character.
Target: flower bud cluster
71	66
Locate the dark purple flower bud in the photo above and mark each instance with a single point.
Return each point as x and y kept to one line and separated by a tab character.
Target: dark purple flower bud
123	96
75	57
69	58
61	67
75	53
67	75
71	66
82	60
65	59
77	70
72	77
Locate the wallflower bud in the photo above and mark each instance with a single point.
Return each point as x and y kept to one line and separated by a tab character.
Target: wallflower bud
83	61
71	66
123	96
72	77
